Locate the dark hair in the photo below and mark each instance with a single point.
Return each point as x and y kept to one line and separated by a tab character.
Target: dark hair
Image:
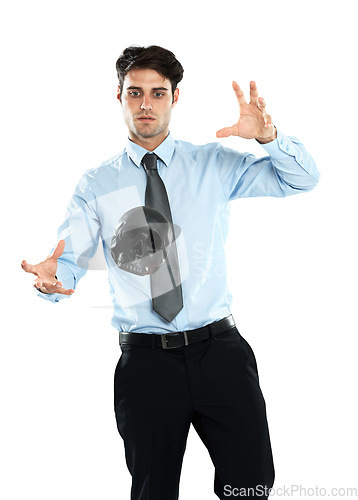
153	57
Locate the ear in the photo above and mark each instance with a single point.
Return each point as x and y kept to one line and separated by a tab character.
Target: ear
119	94
175	97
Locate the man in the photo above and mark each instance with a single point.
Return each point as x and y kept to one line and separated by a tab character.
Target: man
161	208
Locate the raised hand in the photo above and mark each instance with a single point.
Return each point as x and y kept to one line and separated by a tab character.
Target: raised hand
45	272
254	122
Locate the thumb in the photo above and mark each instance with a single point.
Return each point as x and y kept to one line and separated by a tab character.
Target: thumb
58	251
225	132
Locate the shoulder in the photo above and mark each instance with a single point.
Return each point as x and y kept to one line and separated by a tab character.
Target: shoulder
104	169
185	147
113	162
213	150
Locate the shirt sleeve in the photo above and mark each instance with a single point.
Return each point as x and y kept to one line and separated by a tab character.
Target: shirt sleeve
288	169
80	230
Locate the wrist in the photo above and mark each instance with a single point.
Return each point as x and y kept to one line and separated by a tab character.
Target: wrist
265	140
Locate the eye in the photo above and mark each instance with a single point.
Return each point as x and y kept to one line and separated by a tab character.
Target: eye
158	94
134	93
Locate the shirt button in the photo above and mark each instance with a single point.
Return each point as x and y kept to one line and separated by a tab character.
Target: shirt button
287	148
281	141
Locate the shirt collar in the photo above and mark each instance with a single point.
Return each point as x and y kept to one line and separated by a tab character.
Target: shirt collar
165	151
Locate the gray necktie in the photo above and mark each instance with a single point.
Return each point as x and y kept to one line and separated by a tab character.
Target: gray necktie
167	278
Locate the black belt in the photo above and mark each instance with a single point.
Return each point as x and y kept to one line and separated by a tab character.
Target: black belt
179	339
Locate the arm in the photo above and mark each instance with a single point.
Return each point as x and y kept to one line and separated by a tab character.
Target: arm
288	168
78	240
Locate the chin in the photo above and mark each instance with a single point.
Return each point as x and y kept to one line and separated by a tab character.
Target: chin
147	134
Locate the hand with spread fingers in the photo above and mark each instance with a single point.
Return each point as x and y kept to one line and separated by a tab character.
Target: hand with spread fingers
45	272
254	122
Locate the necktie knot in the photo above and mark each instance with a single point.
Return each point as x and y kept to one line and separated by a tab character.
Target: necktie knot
149	161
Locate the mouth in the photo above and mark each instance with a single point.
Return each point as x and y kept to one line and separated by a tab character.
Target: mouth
146	119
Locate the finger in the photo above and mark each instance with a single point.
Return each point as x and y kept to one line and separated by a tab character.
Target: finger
29	268
65	291
48	286
225	132
254	94
268	121
54	288
58	251
40	288
261	104
239	93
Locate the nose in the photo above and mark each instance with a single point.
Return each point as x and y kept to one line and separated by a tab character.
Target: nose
146	104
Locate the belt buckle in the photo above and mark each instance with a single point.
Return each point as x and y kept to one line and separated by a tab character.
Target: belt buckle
165	341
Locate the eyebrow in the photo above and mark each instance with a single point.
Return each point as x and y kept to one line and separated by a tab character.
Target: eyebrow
132	87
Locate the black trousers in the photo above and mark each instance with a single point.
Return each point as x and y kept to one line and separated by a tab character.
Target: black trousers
212	384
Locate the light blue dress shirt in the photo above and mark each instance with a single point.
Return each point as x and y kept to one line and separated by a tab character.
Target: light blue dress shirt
200	182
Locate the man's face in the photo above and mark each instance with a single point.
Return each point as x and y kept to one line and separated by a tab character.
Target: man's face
147	105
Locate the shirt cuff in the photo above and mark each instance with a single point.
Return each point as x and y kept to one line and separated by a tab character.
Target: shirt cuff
279	148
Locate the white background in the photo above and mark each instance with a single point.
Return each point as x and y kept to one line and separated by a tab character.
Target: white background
292	261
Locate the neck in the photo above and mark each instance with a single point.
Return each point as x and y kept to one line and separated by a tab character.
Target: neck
149	143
